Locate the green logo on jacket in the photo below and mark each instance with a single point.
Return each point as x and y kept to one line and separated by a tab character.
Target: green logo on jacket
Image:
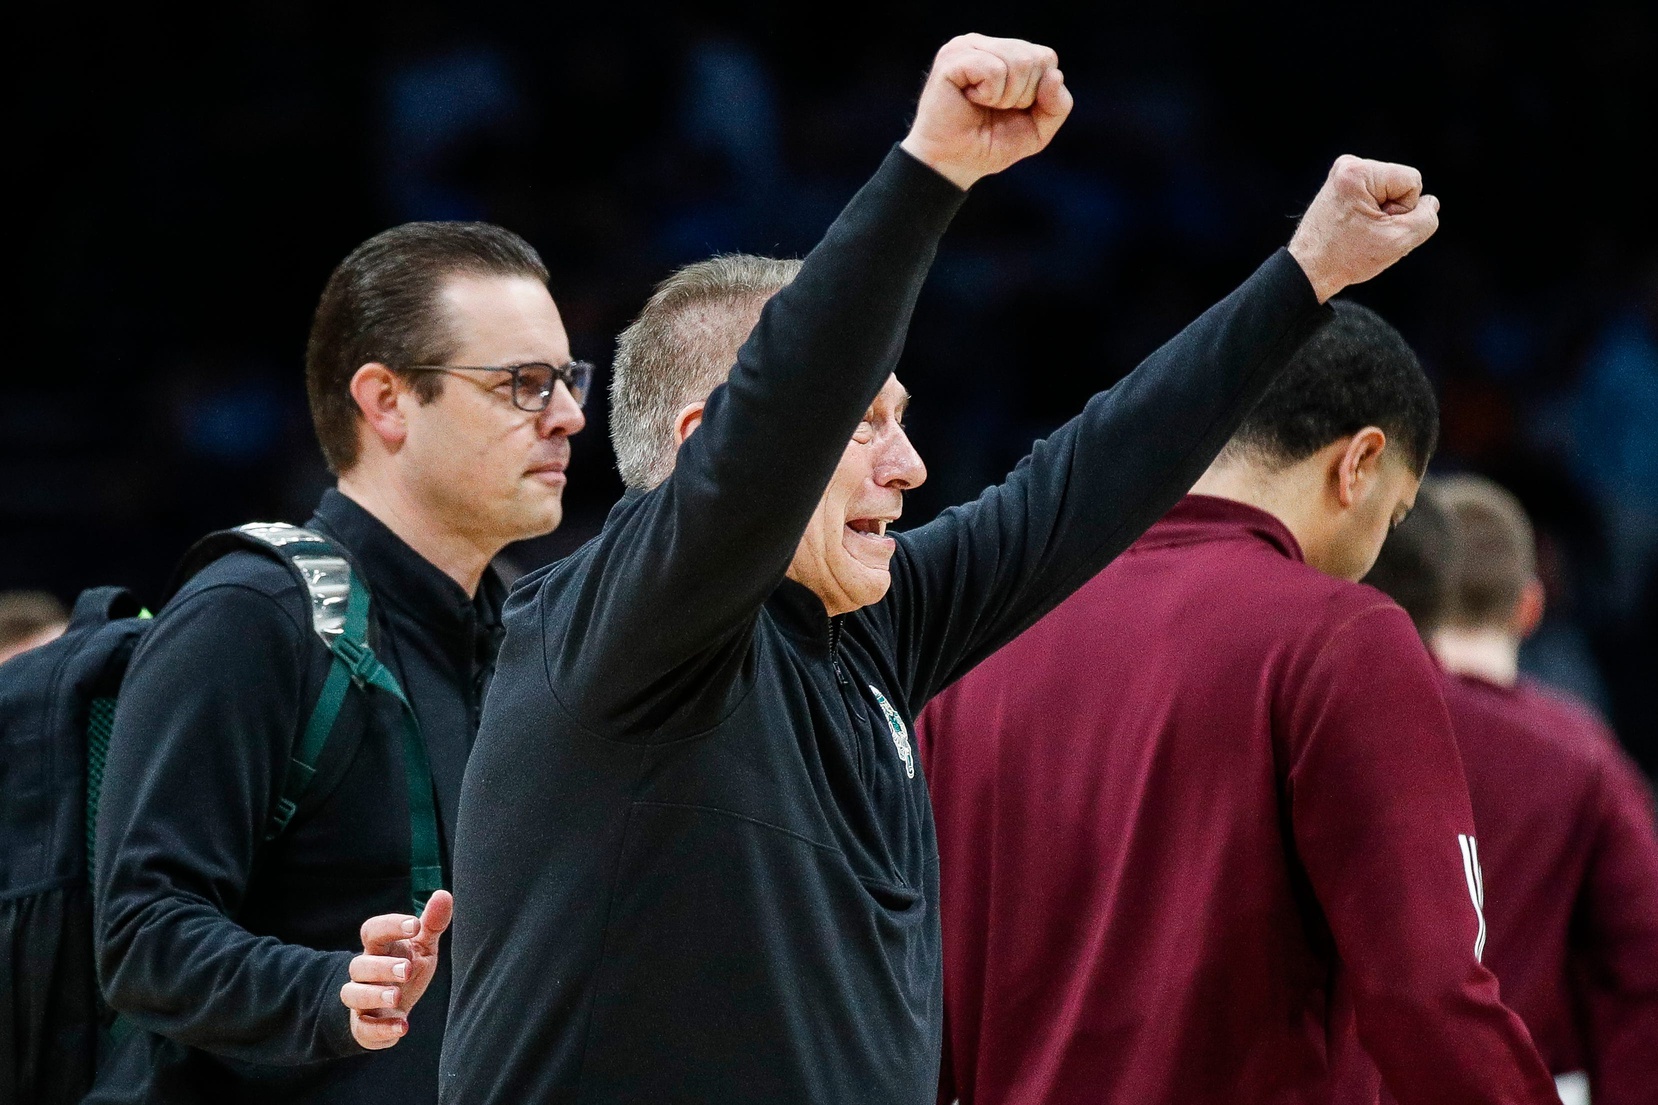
900	735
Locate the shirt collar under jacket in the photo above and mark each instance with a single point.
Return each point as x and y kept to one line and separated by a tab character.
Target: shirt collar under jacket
402	577
1198	518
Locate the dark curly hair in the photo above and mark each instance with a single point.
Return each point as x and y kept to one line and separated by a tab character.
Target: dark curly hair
1356	371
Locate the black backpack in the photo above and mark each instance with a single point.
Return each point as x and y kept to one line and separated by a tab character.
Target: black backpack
57	711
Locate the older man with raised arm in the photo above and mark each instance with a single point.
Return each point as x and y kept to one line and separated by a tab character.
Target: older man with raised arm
696	859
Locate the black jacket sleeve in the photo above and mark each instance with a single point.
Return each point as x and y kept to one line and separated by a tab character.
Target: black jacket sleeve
977	576
685	569
203	730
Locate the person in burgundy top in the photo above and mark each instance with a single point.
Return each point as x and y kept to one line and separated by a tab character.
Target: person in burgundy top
1565	818
1203	832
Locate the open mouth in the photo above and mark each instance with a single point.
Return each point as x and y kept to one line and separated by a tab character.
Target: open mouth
867	540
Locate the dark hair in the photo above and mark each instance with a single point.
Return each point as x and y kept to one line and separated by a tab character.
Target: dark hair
381	305
1356	371
1419	562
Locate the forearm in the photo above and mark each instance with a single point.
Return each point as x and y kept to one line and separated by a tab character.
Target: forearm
1395	889
1140	446
692	561
202	734
1396	893
184	971
1383	825
1462	1047
992	568
822	348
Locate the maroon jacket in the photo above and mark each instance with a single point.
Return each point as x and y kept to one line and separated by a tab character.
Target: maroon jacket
1566	833
1203	830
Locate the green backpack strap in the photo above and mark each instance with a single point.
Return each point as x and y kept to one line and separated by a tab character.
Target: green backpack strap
340	616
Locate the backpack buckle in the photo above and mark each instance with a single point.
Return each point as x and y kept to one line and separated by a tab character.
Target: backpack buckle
359	661
285	810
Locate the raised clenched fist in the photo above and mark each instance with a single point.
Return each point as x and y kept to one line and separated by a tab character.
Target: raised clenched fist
1367	216
987	103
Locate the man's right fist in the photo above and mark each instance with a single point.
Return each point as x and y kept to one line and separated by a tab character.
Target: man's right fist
1367	216
987	103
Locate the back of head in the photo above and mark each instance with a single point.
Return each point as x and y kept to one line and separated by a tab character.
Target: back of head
1419	561
681	347
1357	371
1499	551
28	618
382	305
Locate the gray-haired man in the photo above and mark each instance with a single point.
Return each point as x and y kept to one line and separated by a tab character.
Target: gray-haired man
696	860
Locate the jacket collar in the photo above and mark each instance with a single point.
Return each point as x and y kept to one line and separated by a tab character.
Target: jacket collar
801	614
623	505
1210	518
399	576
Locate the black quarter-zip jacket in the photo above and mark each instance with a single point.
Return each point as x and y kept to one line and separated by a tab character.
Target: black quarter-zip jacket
696	859
225	952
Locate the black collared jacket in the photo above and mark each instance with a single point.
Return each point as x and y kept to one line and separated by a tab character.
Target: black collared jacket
228	952
696	858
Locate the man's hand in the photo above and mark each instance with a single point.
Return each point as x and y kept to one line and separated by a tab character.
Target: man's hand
1367	216
987	103
400	955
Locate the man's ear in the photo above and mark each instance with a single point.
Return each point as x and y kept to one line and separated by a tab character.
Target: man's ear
375	389
1528	612
686	423
1358	464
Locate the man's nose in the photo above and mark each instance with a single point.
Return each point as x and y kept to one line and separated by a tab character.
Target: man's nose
900	465
563	414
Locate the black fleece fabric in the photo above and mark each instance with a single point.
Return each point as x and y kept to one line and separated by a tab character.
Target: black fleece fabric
696	858
228	952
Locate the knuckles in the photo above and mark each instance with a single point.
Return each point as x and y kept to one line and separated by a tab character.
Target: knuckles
1348	173
1345	165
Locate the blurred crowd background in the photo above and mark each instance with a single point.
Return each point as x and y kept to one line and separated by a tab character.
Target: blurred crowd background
190	184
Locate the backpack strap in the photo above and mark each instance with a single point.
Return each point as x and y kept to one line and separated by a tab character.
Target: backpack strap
97	605
339	599
95	608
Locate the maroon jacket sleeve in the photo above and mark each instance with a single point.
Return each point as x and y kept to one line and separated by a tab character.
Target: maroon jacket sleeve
1381	818
1617	937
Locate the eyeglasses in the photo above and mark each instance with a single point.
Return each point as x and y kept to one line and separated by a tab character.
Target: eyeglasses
533	383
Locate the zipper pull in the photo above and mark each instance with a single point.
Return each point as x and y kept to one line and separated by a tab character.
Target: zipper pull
834	652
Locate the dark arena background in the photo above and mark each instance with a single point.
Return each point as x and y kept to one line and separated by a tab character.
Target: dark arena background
185	185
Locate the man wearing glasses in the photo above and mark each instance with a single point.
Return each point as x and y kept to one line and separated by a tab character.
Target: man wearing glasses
444	397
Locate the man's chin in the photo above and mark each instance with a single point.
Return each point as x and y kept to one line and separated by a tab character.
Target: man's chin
541	521
872	586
